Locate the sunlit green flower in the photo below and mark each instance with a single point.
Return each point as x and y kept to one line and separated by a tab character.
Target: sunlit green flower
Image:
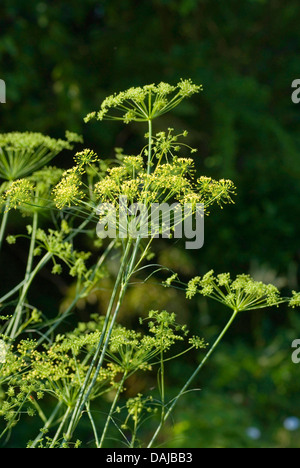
170	280
86	157
68	191
23	153
220	191
18	193
241	294
144	103
295	300
166	144
11	240
197	342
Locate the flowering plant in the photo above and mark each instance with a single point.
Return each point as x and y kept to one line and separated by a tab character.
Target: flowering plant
43	363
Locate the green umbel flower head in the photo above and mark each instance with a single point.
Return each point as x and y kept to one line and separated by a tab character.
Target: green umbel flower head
21	154
145	103
241	294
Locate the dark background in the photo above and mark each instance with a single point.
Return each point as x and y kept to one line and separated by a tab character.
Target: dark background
60	59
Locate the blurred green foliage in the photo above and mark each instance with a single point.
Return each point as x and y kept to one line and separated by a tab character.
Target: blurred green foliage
60	59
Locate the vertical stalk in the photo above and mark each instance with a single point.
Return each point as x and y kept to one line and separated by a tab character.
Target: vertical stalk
106	334
112	409
26	284
134	431
11	292
46	426
64	314
3	224
19	308
87	386
162	385
32	245
149	146
121	285
92	423
60	428
44	261
193	376
38	409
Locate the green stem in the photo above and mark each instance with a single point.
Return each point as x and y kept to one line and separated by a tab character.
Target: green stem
78	295
161	378
32	245
92	423
106	334
45	260
14	324
134	431
193	376
162	385
38	409
87	386
46	426
149	147
3	225
15	319
112	409
18	312
32	275
66	415
12	292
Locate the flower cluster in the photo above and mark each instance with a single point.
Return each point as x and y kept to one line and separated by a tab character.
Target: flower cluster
135	408
86	157
163	325
135	351
33	193
58	371
67	192
241	294
295	300
220	191
19	193
29	372
169	182
45	179
55	243
23	153
144	103
131	351
166	144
